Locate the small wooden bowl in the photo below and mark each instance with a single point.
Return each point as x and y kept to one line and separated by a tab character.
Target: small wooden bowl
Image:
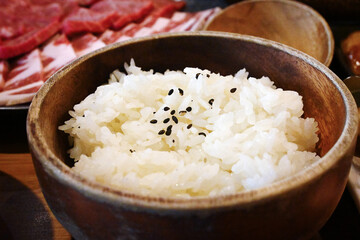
293	208
288	22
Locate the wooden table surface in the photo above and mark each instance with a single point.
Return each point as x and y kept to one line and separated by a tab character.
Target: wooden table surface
24	213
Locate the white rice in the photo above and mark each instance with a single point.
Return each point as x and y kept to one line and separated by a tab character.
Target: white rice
243	140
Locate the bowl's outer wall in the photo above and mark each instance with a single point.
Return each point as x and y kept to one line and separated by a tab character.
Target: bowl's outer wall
287	22
295	214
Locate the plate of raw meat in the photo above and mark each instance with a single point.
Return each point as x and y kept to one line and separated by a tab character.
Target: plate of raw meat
38	37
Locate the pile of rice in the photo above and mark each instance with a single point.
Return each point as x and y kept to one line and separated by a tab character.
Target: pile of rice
189	133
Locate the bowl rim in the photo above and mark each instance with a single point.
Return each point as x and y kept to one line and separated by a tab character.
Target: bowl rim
57	169
297	4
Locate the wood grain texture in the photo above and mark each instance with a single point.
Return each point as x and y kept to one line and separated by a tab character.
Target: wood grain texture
287	22
24	213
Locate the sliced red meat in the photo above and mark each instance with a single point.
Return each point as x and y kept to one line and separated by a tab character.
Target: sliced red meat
162	8
10	27
127	10
166	8
191	21
55	54
67	6
131	29
28	28
19	95
4	69
159	25
86	20
26	70
86	43
101	15
203	17
140	10
86	2
110	36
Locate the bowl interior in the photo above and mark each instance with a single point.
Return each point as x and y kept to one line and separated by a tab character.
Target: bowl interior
287	22
225	54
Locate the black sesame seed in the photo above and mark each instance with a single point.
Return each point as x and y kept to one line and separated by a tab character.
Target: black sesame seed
161	132
201	133
172	112
166	120
170	92
188	109
166	108
173	140
153	121
175	119
168	130
189	126
197	75
233	90
208	75
182	113
211	101
154	112
181	91
132	150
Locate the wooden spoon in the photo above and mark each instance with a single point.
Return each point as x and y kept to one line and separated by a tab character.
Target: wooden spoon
289	22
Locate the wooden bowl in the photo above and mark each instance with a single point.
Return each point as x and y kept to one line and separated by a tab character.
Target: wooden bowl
295	207
288	22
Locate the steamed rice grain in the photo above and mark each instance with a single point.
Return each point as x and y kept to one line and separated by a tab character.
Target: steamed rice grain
189	133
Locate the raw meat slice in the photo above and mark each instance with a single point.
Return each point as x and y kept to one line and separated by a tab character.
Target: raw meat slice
86	2
67	6
110	36
26	70
127	10
191	21
131	29
10	27
87	20
157	27
162	9
103	14
19	95
166	8
86	43
4	69
203	17
55	54
28	27
179	21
